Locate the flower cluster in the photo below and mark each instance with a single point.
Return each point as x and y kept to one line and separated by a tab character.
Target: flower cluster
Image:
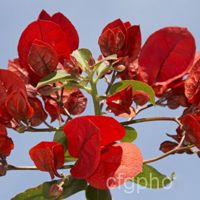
50	79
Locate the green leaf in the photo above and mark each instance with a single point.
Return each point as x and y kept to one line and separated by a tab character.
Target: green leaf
96	194
130	136
54	77
60	137
83	56
101	69
153	179
137	85
68	157
41	192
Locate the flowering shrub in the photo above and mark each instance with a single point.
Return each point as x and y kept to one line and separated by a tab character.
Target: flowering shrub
52	79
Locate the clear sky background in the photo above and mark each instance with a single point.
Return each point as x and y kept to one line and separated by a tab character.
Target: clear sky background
89	17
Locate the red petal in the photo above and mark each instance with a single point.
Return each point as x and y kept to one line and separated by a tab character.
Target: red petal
18	106
45	31
168	146
110	129
6	145
14	66
69	29
120	102
83	142
44	15
75	102
166	55
192	128
66	25
119	163
115	24
192	84
39	114
3	130
111	41
134	41
48	156
140	97
42	58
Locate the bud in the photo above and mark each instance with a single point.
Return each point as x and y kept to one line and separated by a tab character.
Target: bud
120	68
55	190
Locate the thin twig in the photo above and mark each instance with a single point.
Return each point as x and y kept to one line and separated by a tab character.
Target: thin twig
167	153
31	129
134	121
12	167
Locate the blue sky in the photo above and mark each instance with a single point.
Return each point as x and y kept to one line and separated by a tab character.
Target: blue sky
89	17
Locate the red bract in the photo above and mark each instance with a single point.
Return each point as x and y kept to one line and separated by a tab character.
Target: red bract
73	100
6	143
120	38
39	115
166	56
140	97
14	66
119	163
45	42
176	97
192	128
48	156
192	84
42	58
120	102
91	139
66	26
18	106
13	101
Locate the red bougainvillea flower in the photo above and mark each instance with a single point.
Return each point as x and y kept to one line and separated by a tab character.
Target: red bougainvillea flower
120	38
176	96
166	56
120	102
14	101
73	100
192	84
92	139
48	156
66	26
46	42
6	143
191	126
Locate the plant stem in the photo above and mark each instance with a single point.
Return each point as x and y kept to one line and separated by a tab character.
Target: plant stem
31	129
134	121
95	98
12	167
167	153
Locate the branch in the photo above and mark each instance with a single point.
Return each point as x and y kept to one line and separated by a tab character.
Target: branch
174	150
31	129
134	121
12	167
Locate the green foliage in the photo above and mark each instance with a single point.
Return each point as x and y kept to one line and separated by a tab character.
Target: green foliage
137	85
41	192
130	136
96	194
153	179
83	57
55	77
60	137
